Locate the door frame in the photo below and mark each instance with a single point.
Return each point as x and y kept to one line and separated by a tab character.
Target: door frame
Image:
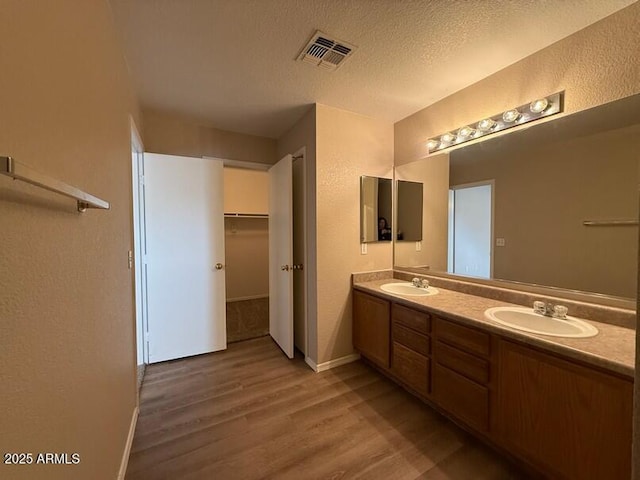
302	152
139	277
450	241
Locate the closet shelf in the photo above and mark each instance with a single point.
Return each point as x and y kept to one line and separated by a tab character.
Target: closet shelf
246	215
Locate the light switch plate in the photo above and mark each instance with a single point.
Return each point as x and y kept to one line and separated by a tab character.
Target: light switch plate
499	242
418	246
363	248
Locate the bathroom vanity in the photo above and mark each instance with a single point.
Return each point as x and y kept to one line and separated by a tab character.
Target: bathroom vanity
562	406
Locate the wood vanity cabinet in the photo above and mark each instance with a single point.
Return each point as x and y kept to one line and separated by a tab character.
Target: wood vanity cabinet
573	421
461	372
372	327
564	418
411	347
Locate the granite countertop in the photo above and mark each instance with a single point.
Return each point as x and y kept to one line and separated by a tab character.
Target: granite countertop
613	348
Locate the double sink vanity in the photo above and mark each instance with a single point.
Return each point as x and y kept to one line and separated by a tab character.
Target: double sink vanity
544	217
559	401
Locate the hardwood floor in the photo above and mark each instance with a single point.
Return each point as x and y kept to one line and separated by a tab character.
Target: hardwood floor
250	413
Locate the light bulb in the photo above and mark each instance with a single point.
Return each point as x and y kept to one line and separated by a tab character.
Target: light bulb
447	138
538	106
485	125
511	115
432	144
465	132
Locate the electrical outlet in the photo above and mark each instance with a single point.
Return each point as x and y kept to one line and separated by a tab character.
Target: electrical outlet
363	248
499	242
130	259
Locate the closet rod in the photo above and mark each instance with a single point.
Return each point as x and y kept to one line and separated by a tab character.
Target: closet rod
19	171
609	223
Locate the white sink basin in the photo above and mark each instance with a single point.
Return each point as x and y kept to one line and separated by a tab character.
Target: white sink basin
522	318
406	288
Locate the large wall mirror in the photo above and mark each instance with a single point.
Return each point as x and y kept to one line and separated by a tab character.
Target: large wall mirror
555	205
375	209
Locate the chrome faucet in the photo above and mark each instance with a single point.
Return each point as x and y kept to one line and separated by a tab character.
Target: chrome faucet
424	283
548	309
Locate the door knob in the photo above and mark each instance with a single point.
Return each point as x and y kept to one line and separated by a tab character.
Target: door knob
218	266
284	268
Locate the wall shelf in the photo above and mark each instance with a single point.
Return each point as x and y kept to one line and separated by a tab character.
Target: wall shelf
19	171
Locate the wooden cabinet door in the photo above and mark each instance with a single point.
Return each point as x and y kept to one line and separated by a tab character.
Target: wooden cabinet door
573	421
371	327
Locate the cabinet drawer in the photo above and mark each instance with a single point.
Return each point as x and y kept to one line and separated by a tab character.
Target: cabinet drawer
409	338
411	367
465	338
472	367
419	321
463	398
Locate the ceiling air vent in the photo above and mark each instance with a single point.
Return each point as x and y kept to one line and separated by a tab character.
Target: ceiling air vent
326	52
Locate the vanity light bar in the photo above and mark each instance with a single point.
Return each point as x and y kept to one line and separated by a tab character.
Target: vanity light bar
539	108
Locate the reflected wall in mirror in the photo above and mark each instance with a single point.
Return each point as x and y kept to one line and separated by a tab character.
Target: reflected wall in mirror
409	211
375	209
547	181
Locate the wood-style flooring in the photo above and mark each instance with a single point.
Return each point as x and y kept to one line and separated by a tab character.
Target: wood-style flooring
251	413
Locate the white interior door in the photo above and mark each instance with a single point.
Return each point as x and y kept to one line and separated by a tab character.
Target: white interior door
185	256
281	254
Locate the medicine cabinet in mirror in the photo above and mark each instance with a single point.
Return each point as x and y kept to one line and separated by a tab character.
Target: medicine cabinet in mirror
555	204
409	211
375	209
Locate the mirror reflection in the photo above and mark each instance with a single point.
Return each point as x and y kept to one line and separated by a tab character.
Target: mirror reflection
555	204
409	214
375	209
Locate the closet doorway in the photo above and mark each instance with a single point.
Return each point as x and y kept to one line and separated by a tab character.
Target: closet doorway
246	228
250	225
200	214
471	229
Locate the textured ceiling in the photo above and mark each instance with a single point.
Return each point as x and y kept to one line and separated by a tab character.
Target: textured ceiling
232	63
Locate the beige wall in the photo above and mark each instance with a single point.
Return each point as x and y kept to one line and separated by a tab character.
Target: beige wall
595	65
67	339
433	172
246	252
303	135
172	134
246	191
348	146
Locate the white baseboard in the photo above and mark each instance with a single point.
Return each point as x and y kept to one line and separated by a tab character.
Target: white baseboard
321	367
127	448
